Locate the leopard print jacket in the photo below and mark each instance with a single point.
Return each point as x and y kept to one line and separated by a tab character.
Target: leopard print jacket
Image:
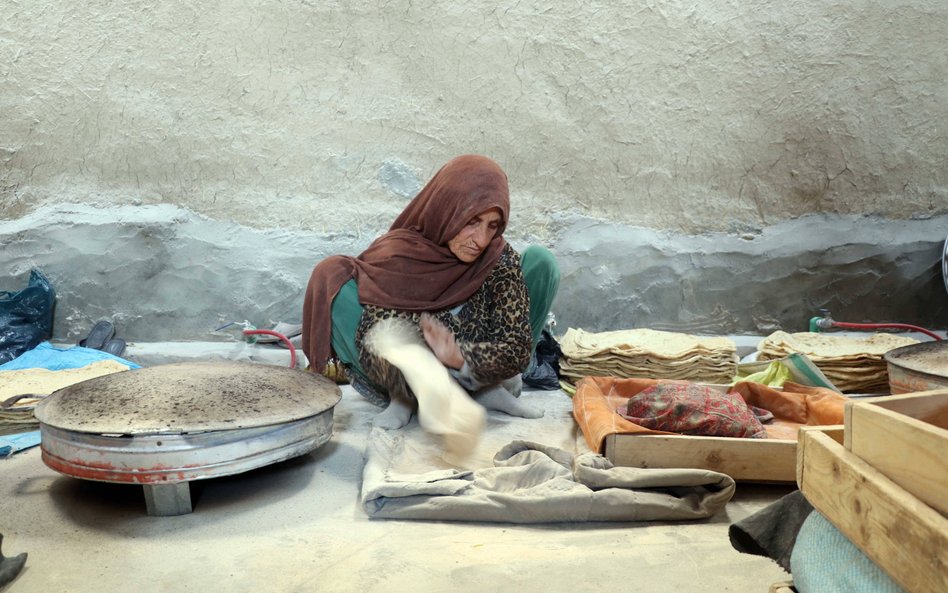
492	330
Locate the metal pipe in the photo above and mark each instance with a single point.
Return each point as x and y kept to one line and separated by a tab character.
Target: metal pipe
886	325
824	321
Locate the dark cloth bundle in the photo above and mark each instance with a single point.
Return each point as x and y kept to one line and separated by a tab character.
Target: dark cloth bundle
544	369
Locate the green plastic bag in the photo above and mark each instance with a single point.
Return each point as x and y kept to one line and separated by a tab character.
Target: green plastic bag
774	373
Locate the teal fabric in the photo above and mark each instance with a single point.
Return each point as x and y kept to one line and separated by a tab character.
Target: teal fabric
826	561
541	274
346	312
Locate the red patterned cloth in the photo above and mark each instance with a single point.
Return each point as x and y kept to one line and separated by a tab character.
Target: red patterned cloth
691	409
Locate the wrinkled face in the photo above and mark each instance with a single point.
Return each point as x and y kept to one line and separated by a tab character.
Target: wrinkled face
477	233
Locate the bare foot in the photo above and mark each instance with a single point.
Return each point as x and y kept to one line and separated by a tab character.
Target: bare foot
395	416
498	398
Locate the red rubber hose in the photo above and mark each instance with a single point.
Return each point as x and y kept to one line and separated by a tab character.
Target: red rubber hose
253	332
891	325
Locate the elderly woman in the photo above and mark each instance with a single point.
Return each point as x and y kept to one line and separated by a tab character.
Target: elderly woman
444	266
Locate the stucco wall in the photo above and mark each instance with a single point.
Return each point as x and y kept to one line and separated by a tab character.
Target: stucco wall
321	118
700	115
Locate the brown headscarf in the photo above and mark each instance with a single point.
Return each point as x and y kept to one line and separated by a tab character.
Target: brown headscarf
411	268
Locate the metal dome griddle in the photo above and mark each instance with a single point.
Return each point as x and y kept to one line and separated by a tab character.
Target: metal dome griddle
167	425
188	398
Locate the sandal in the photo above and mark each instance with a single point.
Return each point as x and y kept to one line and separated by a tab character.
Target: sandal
101	332
115	346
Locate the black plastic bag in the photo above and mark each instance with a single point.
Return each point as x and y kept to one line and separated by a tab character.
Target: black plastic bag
544	369
26	317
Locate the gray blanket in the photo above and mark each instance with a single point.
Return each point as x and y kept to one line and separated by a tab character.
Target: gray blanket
772	531
527	471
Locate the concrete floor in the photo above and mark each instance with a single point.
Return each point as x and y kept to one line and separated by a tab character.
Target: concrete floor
298	526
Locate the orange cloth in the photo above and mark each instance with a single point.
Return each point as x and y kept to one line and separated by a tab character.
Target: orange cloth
596	400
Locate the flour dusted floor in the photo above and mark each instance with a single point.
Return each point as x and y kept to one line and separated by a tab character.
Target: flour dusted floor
298	526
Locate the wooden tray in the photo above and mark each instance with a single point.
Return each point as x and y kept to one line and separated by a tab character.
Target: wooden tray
905	537
748	460
904	437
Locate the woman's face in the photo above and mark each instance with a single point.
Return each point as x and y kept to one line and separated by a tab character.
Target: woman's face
468	244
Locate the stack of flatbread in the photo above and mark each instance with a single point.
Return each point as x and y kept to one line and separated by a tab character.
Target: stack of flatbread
646	353
16	414
853	364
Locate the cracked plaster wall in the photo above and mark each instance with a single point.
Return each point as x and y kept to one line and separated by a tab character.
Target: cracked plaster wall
164	273
692	124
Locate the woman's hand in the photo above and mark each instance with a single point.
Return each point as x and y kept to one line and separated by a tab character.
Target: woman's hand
441	341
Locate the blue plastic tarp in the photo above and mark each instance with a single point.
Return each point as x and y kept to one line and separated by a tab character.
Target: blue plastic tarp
13	443
47	356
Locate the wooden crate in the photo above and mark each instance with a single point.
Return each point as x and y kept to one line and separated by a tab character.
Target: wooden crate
750	460
905	537
905	437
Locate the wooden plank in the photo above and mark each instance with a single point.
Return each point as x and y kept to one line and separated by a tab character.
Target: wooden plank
910	452
752	460
901	534
928	406
836	432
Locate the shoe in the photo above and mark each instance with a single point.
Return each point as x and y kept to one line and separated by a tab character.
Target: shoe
101	332
296	341
115	346
10	566
289	330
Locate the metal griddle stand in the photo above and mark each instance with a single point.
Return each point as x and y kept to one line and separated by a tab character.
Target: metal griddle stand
277	414
166	464
168	500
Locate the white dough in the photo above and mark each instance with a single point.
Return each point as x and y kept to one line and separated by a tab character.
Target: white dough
444	407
